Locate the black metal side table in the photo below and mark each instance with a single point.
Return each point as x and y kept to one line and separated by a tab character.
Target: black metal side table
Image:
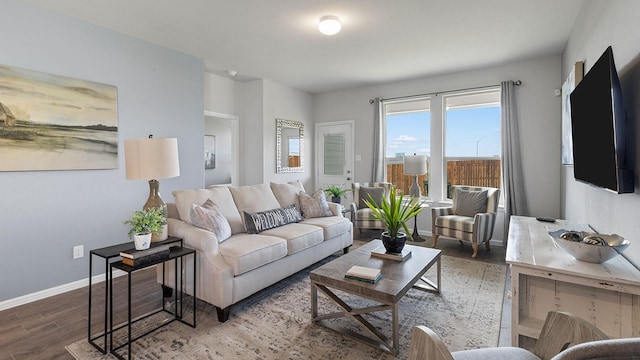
177	255
111	254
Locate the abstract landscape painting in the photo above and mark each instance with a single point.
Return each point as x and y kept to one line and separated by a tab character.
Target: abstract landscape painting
50	122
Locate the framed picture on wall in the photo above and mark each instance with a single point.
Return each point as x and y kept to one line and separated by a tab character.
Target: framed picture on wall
52	122
575	76
209	152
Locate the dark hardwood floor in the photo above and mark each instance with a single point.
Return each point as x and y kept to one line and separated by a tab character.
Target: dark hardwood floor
41	329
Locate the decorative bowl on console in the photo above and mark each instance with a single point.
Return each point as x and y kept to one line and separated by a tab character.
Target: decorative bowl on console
590	247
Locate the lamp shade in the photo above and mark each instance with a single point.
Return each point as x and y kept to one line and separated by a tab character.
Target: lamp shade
149	159
415	164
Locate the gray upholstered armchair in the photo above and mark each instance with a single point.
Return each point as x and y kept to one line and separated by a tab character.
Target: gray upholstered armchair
560	331
471	218
361	216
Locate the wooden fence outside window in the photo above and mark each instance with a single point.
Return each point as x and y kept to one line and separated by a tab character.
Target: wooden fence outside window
477	172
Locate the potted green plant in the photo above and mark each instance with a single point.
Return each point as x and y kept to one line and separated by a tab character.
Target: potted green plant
394	212
143	223
336	193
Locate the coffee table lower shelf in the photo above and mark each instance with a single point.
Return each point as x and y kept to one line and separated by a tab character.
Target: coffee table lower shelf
397	279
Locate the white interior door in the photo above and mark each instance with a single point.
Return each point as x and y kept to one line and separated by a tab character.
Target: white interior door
334	155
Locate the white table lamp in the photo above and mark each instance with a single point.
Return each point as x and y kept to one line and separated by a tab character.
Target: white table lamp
152	159
415	165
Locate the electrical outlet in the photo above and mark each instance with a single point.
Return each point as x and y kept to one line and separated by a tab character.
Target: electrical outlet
78	251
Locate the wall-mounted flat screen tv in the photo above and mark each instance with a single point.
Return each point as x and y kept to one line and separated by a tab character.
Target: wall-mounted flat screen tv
598	125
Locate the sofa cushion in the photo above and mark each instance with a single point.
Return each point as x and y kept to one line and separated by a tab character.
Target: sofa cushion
219	195
210	217
377	193
245	252
332	226
469	203
257	222
287	194
455	222
314	205
298	236
254	198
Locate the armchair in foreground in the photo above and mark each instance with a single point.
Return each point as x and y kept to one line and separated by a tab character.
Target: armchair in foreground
560	331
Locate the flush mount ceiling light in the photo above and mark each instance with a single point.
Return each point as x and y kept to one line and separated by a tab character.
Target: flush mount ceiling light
329	25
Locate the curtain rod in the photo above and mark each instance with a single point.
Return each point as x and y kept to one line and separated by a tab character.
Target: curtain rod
515	82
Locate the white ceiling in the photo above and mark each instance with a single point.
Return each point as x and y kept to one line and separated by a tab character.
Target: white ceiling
380	41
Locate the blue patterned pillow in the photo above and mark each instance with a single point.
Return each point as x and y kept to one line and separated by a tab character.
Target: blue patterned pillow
256	222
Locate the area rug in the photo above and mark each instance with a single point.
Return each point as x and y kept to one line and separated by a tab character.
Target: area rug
275	323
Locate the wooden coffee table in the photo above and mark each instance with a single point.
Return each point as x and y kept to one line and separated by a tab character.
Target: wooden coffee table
397	278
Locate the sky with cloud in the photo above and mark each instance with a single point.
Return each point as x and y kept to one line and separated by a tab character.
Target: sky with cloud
468	133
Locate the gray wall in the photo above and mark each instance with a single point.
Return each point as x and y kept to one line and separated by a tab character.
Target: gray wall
601	24
44	214
539	110
263	101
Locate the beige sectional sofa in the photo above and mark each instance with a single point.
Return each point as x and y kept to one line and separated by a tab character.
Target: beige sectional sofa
229	270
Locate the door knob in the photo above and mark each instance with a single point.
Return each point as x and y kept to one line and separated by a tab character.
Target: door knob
348	179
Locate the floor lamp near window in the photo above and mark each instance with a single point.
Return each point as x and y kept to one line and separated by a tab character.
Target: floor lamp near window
152	159
415	165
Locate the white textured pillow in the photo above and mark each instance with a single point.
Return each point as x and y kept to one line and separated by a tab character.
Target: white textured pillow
315	205
209	217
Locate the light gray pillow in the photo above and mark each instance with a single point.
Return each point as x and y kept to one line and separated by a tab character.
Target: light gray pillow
377	193
315	205
469	203
209	217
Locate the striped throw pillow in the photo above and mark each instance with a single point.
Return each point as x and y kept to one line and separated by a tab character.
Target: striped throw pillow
210	217
315	205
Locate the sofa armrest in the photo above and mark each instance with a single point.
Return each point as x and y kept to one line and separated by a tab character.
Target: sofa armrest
336	209
194	237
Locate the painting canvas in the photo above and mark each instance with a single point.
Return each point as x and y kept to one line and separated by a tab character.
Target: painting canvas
209	152
575	76
50	122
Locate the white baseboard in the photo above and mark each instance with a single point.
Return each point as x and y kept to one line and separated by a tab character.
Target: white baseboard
492	242
39	295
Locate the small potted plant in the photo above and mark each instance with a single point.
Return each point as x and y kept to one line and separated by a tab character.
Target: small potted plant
143	223
336	193
394	213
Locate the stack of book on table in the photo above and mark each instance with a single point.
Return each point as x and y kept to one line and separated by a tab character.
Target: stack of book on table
381	252
142	257
363	273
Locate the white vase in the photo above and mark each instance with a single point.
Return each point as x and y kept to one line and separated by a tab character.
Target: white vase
142	241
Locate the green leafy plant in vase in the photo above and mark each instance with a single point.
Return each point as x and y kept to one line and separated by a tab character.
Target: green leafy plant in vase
143	223
394	212
336	193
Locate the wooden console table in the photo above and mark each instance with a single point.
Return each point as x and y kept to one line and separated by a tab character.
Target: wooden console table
544	277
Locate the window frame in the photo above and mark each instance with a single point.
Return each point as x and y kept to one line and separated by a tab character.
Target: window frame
437	161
